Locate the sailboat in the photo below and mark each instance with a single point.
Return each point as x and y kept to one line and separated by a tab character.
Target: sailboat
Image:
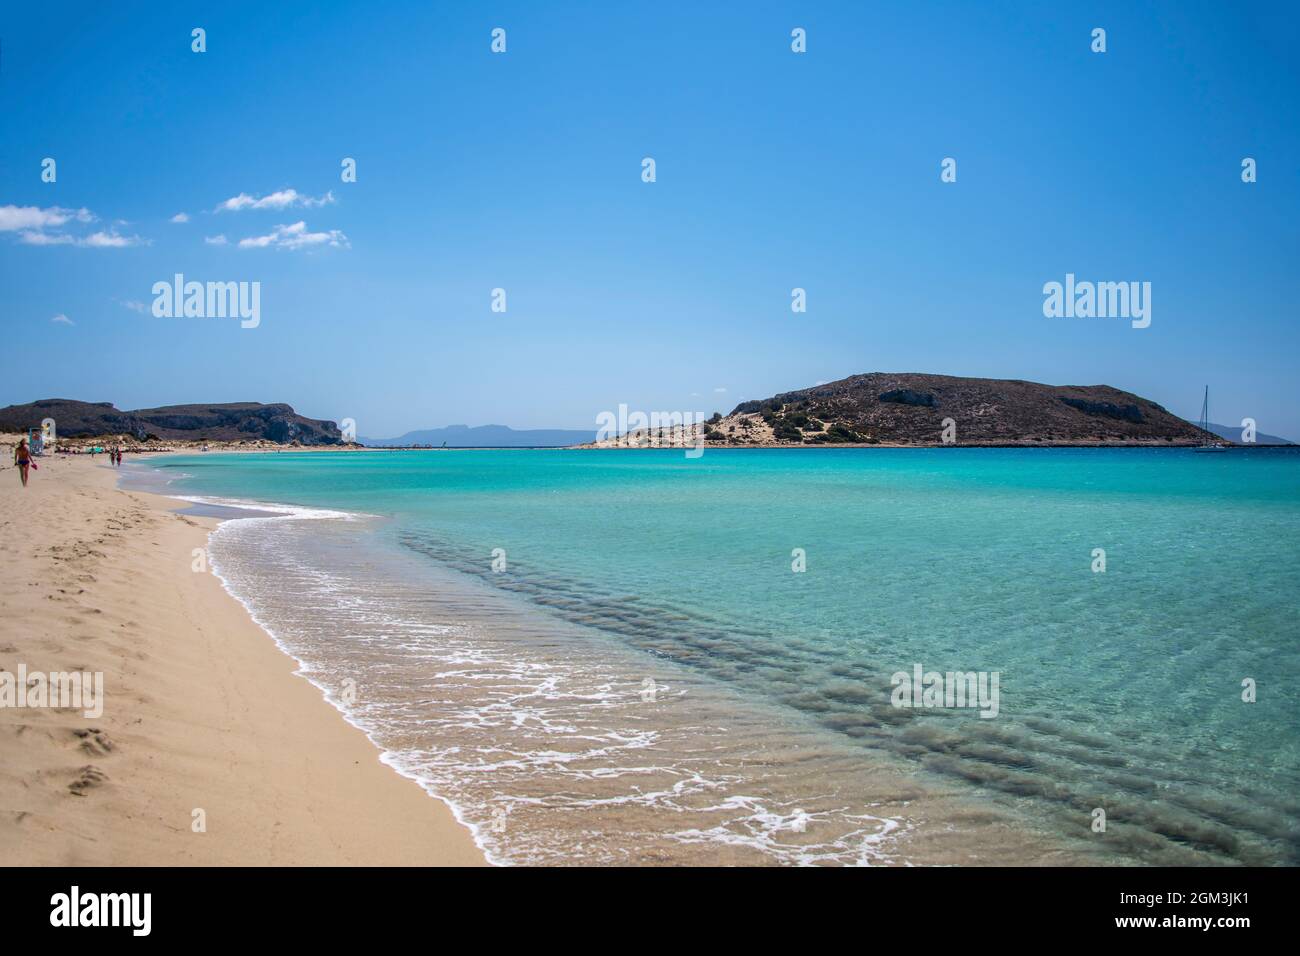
1207	443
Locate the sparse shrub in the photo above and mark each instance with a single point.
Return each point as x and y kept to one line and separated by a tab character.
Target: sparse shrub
841	434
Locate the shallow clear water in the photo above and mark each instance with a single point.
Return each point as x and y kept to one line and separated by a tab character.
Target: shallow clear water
522	694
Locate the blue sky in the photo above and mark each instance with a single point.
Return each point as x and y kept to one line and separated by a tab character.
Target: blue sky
523	171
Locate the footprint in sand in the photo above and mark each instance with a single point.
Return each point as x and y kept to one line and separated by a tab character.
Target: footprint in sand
88	778
94	742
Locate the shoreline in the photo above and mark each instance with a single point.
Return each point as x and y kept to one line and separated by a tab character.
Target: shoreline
757	824
203	709
197	447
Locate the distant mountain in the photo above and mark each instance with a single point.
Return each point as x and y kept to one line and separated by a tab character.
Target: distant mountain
1234	435
486	436
235	421
911	408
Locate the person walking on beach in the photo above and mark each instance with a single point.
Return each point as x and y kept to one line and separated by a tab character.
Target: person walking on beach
23	459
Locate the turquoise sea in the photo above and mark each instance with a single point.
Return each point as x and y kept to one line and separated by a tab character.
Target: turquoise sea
610	657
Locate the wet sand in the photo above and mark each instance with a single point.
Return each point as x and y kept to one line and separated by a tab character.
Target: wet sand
203	720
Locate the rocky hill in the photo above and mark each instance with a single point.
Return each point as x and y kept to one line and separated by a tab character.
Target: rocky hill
232	422
911	408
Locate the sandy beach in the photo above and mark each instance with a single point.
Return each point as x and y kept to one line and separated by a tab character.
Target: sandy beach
202	712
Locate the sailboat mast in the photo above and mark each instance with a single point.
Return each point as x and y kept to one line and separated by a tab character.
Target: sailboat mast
1209	441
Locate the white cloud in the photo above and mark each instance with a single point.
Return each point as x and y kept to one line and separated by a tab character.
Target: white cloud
13	218
276	200
32	237
99	239
96	240
295	236
135	305
181	217
109	240
719	390
41	227
62	319
215	240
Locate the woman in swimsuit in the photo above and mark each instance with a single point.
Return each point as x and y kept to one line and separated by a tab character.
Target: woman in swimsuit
22	458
